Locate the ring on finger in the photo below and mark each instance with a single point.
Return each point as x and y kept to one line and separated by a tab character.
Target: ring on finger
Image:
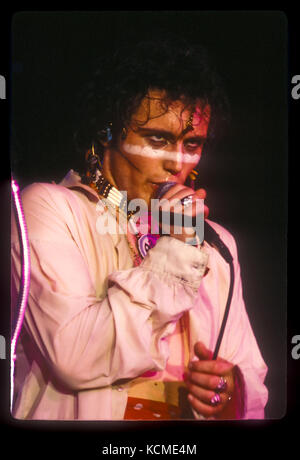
222	385
187	201
215	400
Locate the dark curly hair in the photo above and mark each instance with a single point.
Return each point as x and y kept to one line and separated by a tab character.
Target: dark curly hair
122	79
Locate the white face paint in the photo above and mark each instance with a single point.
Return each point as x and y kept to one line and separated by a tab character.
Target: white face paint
150	152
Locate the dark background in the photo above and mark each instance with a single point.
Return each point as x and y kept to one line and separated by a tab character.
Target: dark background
245	177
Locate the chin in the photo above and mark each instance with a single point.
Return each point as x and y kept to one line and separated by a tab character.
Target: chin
139	196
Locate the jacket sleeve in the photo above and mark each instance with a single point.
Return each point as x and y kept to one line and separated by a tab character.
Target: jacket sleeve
90	342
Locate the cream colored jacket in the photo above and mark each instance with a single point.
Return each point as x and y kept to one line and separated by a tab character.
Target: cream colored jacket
93	321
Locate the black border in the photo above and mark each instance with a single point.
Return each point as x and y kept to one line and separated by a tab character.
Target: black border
87	439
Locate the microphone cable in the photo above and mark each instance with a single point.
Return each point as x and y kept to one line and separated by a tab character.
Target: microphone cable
214	240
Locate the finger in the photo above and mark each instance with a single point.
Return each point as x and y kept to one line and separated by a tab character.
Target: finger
206	211
219	368
174	205
172	191
207	410
208	381
211	382
179	193
201	193
201	393
172	200
207	396
202	352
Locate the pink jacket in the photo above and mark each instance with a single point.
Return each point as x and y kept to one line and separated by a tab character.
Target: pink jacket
93	320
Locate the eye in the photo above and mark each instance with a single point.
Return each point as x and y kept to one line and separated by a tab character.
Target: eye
193	145
157	140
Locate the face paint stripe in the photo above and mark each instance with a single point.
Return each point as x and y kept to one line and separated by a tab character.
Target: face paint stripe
159	153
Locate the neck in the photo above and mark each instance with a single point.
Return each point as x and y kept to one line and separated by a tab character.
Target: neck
106	169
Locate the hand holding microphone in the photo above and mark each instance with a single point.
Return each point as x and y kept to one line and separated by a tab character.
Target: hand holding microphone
183	202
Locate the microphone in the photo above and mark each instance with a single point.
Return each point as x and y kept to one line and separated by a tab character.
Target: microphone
210	234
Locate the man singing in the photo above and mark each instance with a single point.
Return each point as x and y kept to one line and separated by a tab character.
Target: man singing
123	324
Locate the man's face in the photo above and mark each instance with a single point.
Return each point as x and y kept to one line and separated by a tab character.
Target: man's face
167	147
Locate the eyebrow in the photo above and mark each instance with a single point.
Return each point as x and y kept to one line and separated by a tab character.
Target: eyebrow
168	134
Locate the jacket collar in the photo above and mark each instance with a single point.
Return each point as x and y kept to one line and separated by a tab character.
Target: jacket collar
73	180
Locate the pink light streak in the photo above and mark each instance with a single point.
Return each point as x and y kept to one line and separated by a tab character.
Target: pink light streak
25	278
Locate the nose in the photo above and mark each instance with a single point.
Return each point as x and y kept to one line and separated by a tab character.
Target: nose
174	165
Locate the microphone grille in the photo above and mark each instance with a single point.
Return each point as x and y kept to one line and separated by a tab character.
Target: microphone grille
163	188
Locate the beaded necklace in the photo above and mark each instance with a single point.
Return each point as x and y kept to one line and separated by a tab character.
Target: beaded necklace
138	243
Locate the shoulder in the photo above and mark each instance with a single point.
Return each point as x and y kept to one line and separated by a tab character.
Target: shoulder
45	192
51	211
45	197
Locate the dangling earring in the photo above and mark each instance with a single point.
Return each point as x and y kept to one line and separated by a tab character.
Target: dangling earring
94	167
123	133
193	176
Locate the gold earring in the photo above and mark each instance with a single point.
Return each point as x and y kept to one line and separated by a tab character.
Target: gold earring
193	174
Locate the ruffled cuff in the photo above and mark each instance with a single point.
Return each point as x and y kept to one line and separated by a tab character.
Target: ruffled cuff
182	261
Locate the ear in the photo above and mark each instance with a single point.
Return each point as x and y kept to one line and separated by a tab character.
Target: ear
105	135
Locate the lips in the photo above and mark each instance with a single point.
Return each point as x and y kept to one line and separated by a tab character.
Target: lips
155	185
